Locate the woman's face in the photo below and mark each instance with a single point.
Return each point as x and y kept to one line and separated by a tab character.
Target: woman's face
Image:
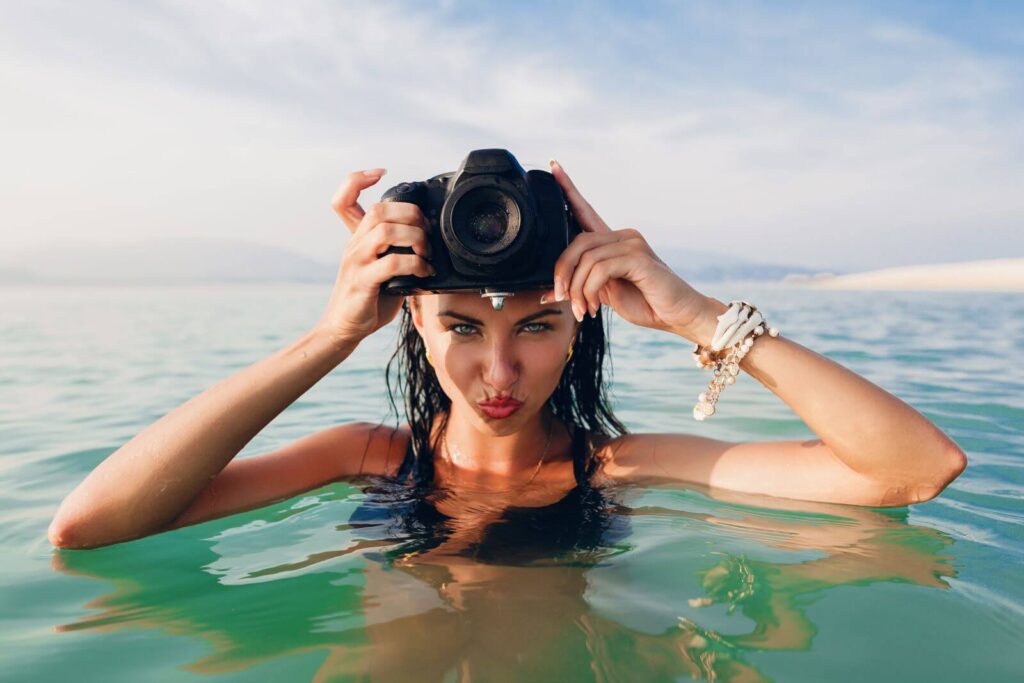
480	353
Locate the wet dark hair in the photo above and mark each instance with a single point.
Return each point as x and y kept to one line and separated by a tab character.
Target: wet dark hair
580	400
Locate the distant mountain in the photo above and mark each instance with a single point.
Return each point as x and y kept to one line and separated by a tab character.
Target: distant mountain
200	261
164	261
706	266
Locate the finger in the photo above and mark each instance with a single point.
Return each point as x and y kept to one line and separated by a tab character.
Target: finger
346	199
581	208
385	235
392	265
570	256
391	212
596	267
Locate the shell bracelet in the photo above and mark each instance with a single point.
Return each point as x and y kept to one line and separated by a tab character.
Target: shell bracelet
737	329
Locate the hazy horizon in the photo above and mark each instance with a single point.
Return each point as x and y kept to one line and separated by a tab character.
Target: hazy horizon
841	137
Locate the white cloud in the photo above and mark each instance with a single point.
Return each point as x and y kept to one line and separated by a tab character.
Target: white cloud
237	120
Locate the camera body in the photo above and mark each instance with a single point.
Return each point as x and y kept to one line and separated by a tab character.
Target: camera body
493	227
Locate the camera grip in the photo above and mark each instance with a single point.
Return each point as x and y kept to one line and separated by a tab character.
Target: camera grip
403	192
413	194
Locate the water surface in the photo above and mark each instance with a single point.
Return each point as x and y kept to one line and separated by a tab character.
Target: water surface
673	583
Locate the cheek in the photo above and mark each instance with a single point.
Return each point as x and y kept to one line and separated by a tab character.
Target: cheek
545	362
456	376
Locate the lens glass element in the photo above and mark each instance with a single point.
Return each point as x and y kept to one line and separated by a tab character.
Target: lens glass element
487	223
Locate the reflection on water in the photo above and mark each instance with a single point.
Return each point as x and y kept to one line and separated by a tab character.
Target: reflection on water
485	591
679	583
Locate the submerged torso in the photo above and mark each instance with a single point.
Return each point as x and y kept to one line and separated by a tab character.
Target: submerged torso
557	513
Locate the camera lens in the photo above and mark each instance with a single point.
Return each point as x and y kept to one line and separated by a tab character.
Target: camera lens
486	220
488	223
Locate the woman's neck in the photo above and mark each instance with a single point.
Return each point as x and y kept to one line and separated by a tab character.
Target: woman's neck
468	450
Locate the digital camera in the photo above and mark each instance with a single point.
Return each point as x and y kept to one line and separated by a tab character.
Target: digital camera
493	227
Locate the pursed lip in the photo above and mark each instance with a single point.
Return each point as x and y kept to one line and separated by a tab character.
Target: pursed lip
499	407
504	402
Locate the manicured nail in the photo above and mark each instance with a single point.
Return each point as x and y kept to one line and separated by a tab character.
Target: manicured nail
577	312
544	299
559	289
375	172
593	310
552	163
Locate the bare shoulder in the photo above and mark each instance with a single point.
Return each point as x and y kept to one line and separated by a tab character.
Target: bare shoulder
384	448
798	469
317	459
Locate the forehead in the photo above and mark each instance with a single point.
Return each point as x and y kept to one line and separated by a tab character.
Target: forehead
472	304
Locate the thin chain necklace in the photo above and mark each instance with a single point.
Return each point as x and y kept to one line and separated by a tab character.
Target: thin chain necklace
449	450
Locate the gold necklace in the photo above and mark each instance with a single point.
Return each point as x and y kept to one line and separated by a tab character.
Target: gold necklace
536	471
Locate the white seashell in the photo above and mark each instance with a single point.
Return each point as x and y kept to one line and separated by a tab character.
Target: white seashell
702	398
698	414
727	336
729	316
730	380
708	409
774	332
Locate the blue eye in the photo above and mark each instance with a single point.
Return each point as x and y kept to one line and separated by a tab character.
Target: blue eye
456	328
461	334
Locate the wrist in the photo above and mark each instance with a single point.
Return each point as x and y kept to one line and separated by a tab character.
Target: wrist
340	344
702	329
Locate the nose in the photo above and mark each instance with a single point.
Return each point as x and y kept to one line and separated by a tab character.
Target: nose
503	366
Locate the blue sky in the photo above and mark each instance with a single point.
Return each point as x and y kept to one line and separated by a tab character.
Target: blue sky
851	137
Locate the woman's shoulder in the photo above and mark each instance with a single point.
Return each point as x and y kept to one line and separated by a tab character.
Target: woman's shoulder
384	448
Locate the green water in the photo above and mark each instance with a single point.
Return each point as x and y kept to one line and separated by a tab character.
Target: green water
691	585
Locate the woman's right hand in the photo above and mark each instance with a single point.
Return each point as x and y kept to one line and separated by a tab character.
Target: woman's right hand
357	308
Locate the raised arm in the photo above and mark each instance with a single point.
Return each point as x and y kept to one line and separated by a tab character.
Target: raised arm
151	479
148	483
869	431
873	449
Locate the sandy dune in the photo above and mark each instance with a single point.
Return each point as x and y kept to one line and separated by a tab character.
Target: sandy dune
1005	275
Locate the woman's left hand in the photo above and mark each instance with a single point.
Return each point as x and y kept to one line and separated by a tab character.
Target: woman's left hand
618	268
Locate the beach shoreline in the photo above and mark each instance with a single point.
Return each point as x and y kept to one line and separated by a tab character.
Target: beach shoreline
1001	275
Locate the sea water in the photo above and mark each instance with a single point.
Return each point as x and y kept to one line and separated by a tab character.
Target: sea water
683	583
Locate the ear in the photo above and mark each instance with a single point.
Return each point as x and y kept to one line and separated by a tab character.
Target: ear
416	309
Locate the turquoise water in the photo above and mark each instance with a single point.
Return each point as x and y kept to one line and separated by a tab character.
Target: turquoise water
689	586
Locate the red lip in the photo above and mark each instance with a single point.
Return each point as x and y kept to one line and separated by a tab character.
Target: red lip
500	407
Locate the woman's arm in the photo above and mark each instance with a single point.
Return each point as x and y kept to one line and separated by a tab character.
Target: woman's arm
871	431
873	448
146	484
150	480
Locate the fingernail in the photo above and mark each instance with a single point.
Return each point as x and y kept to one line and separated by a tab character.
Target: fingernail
552	163
559	289
593	310
544	299
577	313
375	172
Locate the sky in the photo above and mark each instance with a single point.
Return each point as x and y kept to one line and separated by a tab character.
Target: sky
842	137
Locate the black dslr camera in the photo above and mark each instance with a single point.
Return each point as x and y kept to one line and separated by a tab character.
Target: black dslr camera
493	227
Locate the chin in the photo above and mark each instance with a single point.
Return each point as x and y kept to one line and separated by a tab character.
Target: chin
507	425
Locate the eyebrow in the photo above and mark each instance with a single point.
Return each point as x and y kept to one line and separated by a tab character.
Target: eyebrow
474	321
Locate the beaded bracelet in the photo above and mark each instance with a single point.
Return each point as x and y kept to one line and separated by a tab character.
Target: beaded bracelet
737	329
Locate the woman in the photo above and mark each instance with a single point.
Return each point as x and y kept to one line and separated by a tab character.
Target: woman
494	433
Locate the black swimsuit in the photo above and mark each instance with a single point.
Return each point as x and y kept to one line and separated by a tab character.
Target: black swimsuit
580	523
